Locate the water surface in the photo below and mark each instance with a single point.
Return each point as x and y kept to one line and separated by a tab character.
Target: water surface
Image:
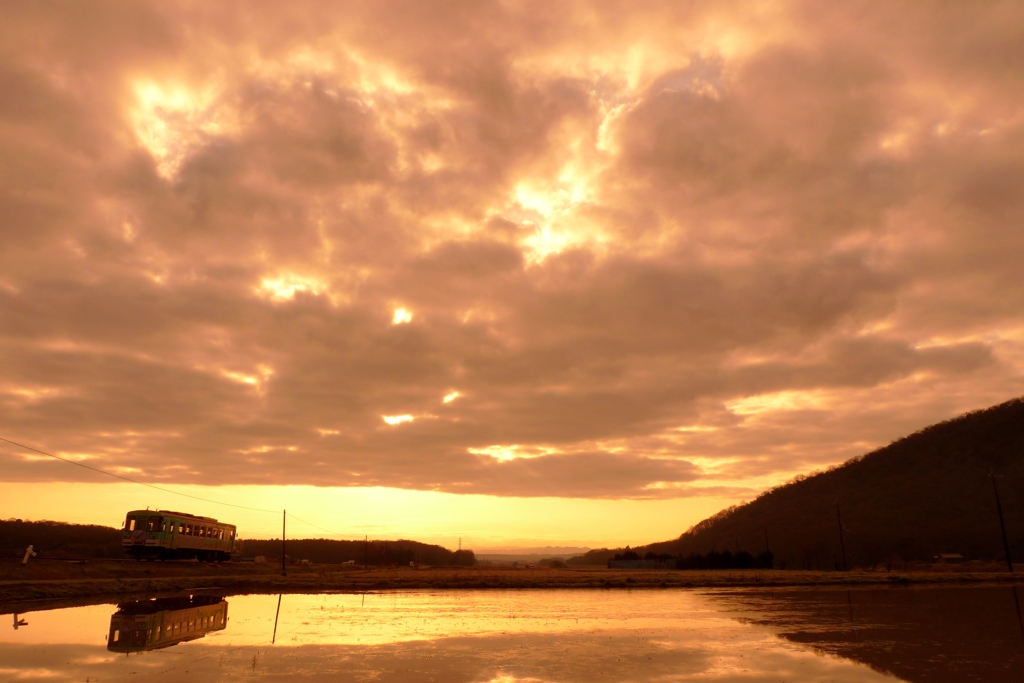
541	635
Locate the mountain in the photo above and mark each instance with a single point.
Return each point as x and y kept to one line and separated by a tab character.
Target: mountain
925	494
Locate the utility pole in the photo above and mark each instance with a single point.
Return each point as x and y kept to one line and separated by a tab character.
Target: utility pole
284	543
842	543
366	552
1002	524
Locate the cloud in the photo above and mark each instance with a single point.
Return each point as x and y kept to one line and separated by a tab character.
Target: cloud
660	249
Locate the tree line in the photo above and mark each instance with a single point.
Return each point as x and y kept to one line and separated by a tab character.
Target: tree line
58	539
712	560
375	553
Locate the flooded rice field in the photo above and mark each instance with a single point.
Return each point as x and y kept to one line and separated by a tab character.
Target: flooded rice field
919	634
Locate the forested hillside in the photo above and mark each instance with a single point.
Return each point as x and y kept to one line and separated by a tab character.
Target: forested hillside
925	494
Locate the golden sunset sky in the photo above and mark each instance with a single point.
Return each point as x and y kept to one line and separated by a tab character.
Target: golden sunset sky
520	272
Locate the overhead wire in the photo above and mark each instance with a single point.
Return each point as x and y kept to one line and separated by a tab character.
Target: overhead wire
136	481
161	488
333	533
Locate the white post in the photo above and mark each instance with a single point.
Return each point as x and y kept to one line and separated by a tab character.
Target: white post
29	552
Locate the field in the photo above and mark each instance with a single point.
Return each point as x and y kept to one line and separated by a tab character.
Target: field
20	585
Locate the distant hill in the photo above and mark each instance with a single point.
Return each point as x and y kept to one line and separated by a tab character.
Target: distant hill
57	539
528	555
593	557
326	551
925	494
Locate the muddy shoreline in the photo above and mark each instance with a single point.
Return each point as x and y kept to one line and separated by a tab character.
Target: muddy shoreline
97	581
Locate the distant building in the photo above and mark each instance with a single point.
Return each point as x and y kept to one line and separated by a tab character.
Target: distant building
949	558
642	564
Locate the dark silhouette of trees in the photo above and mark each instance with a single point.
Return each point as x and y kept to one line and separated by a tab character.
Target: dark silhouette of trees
726	560
57	539
374	553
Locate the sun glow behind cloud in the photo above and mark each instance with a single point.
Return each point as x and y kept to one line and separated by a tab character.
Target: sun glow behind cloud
513	452
172	121
780	401
286	286
551	213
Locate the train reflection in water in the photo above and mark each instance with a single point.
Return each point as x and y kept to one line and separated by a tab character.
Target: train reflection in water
163	622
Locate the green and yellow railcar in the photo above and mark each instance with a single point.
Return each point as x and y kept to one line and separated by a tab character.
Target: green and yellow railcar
170	535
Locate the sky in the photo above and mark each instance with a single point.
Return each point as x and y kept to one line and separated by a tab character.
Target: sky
521	273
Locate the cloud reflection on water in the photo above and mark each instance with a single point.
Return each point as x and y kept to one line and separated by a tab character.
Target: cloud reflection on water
470	637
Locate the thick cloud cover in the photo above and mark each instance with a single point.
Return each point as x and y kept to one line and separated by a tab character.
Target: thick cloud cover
522	248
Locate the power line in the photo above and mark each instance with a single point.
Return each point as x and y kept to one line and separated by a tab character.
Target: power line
135	481
333	533
160	488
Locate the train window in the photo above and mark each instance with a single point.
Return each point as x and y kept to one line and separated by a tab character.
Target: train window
202	532
154	524
188	529
181	528
129	524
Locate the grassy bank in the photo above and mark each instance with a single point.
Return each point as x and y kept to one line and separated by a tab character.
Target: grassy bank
125	580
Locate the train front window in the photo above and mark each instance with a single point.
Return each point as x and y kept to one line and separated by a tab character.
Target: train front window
129	524
154	524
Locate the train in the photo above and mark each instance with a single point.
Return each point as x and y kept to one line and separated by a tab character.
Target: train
171	535
164	622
